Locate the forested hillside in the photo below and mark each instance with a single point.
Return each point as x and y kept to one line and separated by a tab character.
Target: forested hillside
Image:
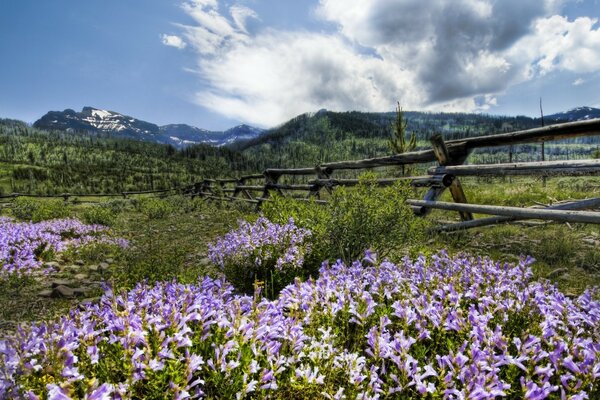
50	162
310	139
42	162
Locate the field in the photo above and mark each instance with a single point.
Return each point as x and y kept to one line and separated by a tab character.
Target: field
169	240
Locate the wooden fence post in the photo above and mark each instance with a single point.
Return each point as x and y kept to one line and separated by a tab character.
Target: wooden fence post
443	156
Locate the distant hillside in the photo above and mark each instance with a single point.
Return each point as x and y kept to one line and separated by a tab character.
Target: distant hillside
95	120
310	139
50	162
314	138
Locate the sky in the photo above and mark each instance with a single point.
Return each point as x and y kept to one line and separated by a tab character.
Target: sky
218	63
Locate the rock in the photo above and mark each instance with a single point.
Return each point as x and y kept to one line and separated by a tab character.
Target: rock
61	282
52	264
71	268
590	241
557	273
205	261
103	266
81	277
93	268
90	300
46	293
80	291
109	261
63	291
79	262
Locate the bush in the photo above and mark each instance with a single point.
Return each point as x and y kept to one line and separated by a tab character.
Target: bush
28	209
262	253
117	206
355	219
154	208
99	214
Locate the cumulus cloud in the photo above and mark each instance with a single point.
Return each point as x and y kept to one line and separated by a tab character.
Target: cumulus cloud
173	41
578	82
429	54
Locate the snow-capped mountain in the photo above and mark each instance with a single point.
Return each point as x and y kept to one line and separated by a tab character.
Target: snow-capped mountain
576	114
96	120
102	121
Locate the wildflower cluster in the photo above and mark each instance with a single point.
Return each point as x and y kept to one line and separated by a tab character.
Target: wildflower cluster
262	251
449	328
24	245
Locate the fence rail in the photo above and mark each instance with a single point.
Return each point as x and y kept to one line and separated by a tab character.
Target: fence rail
450	157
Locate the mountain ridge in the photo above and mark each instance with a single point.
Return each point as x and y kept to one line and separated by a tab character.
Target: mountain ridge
96	120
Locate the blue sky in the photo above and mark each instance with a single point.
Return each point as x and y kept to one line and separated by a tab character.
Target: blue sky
216	63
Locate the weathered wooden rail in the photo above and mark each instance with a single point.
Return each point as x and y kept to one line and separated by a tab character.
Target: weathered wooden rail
450	157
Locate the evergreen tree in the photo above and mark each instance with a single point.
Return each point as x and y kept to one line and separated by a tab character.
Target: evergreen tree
400	143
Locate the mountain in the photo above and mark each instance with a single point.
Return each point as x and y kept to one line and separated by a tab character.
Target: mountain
182	135
576	114
115	124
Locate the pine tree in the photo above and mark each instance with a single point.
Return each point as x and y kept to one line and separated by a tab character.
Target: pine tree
399	143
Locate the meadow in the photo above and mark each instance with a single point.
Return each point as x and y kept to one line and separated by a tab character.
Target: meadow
193	298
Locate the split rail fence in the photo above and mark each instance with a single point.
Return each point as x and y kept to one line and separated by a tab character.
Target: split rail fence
450	157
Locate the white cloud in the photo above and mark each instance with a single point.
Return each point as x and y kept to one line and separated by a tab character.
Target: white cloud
578	82
279	75
429	54
240	14
173	41
561	44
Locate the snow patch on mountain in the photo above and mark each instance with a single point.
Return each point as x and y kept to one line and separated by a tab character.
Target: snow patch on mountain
97	120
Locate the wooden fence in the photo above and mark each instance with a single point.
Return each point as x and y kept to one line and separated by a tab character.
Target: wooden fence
450	157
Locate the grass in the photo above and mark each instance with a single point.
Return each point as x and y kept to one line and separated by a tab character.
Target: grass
568	254
172	243
171	247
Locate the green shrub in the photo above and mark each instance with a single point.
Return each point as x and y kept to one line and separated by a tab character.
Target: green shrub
355	219
154	208
369	217
100	214
117	206
28	209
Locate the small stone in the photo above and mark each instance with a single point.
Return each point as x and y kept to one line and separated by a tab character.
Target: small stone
63	291
61	282
52	264
90	300
71	268
81	291
589	241
557	273
46	293
79	262
109	261
93	268
103	266
81	277
205	261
